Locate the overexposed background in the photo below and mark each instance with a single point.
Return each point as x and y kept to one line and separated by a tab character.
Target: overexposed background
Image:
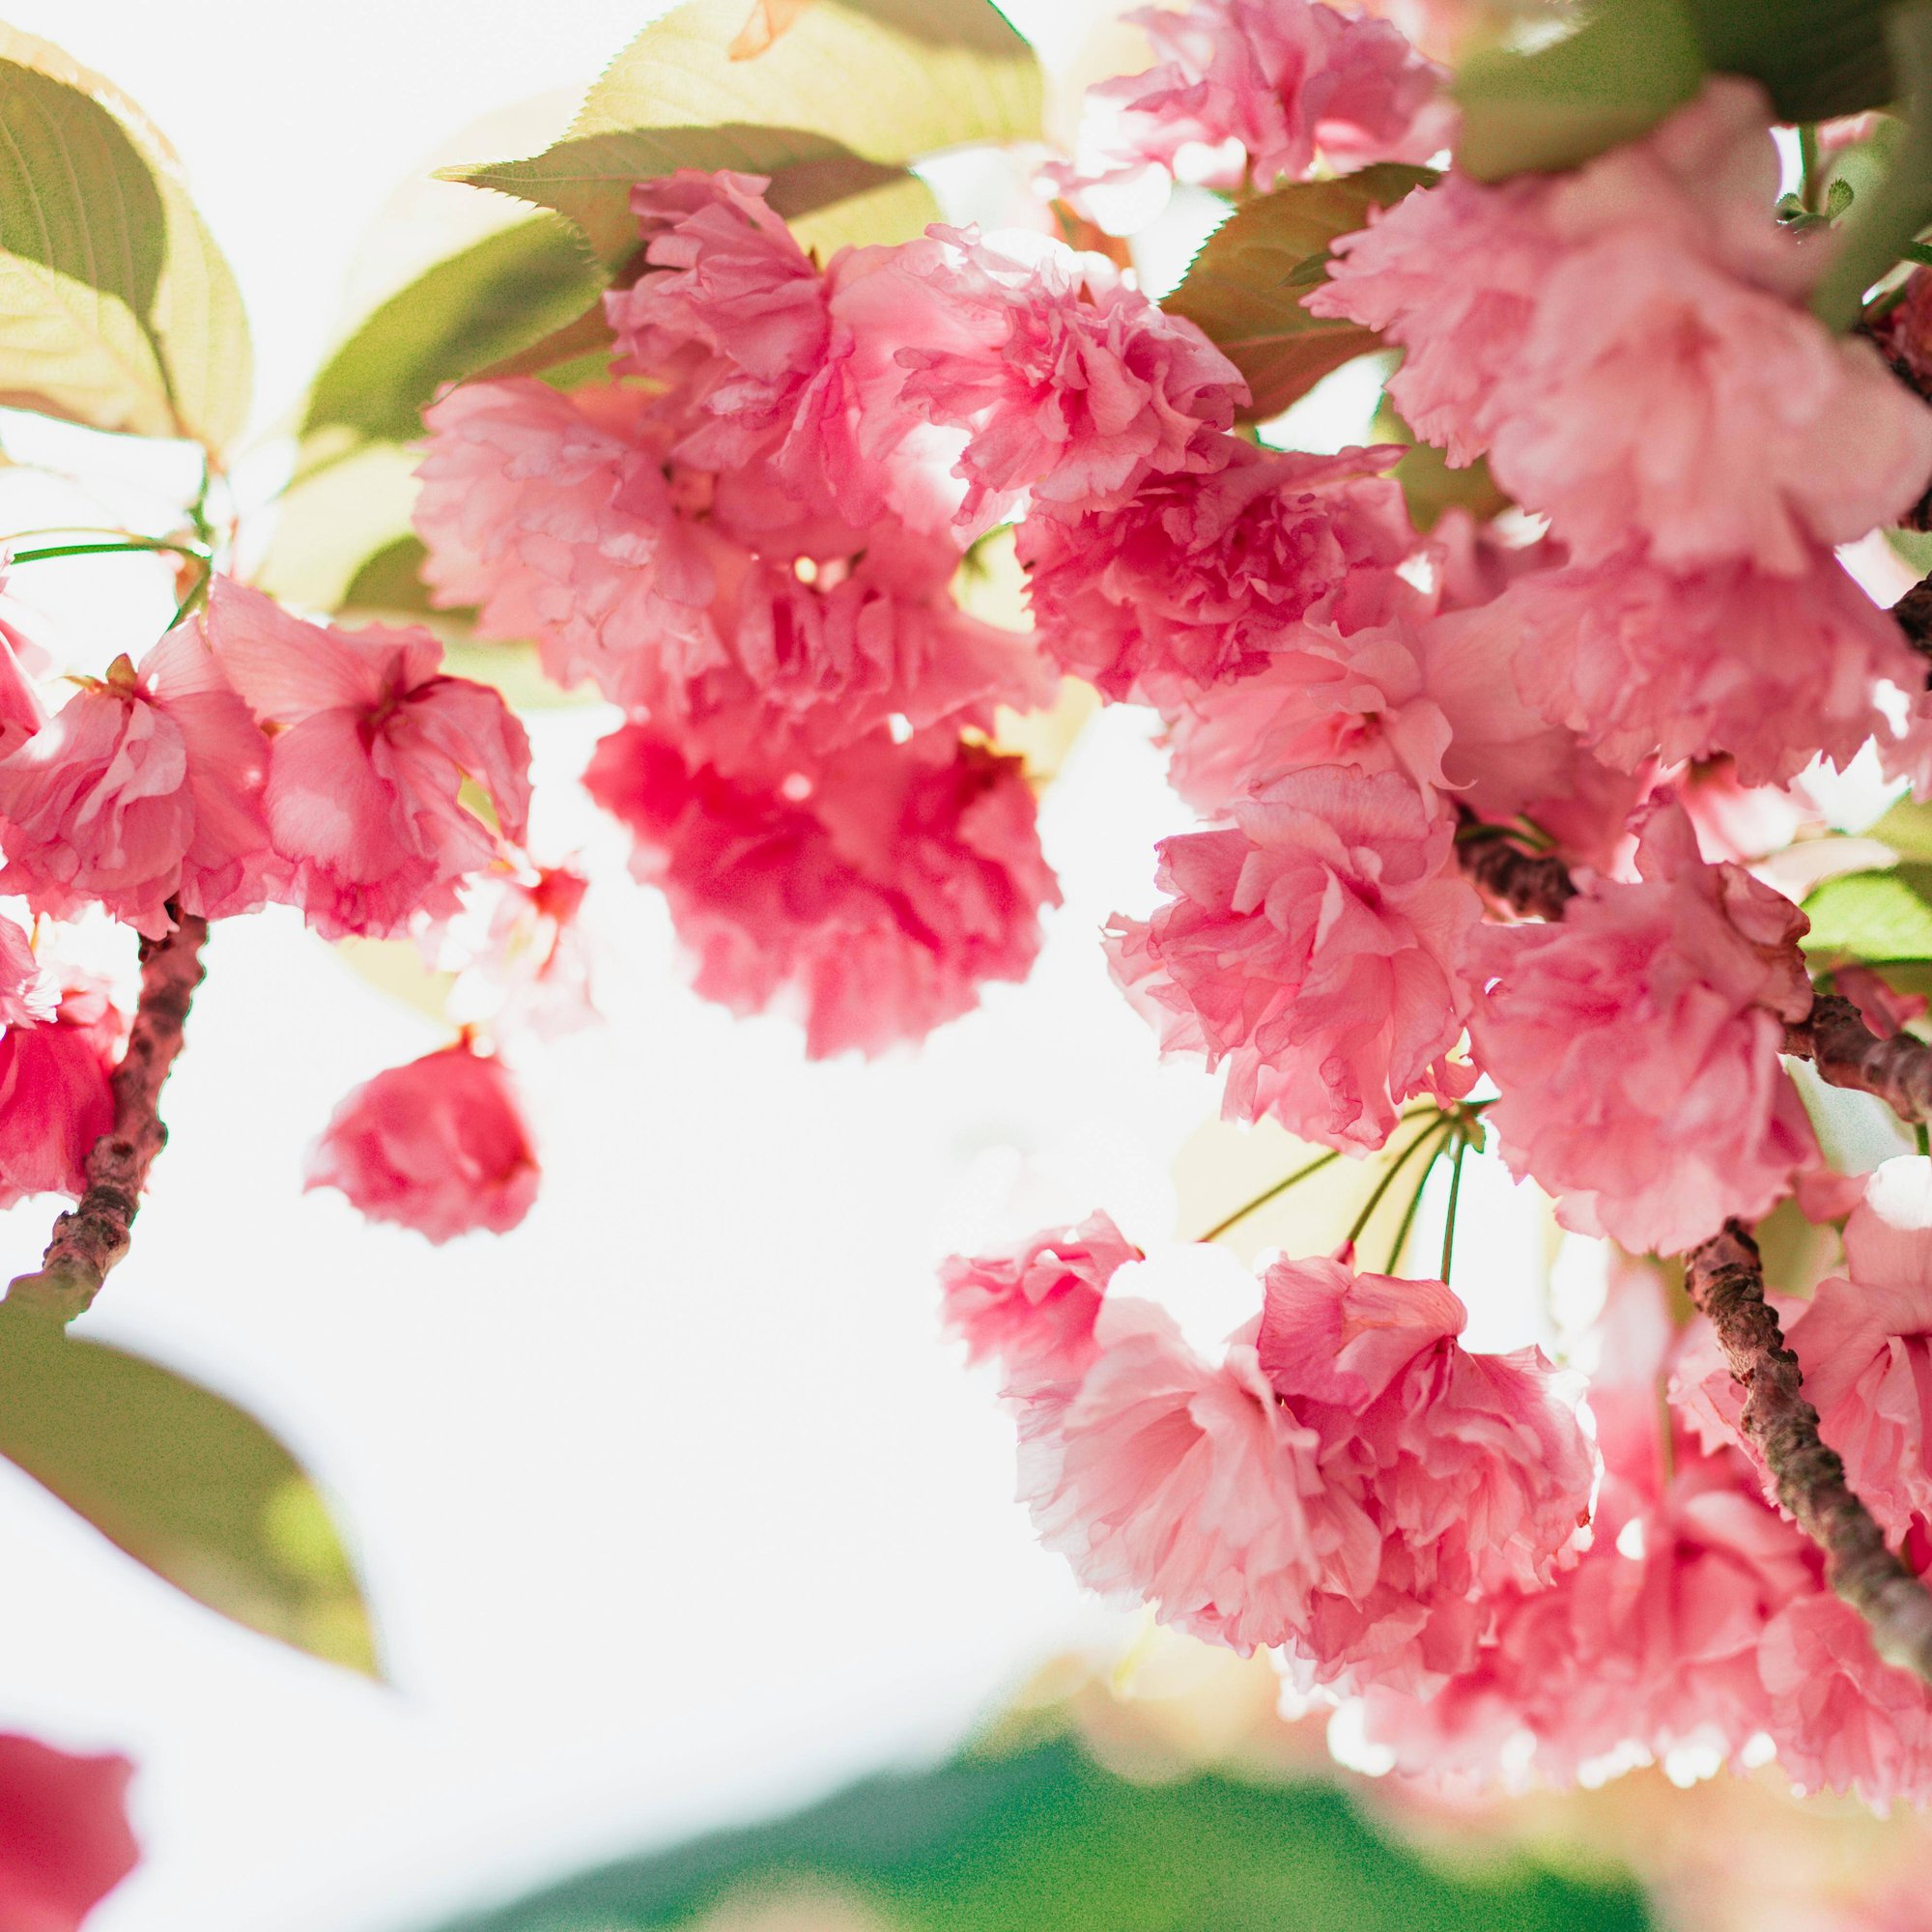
672	1506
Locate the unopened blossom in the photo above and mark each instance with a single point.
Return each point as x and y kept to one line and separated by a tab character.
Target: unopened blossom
1473	1467
65	1841
1636	1045
1189	1485
145	787
872	896
1074	388
1311	948
1865	1345
440	1146
56	1099
1251	91
1201	579
372	745
1629	345
1772	670
1031	1308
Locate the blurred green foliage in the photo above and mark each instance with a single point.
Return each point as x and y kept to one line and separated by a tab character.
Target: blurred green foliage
1047	1840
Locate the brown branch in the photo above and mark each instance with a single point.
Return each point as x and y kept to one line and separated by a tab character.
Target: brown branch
1845	1052
1532	885
93	1234
1724	1277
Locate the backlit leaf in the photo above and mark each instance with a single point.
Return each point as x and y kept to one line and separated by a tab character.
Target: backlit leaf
188	1484
1874	915
1245	288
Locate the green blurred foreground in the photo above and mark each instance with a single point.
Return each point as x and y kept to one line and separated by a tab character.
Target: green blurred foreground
1047	1841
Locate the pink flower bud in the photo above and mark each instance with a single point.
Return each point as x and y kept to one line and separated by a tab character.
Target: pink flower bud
64	1842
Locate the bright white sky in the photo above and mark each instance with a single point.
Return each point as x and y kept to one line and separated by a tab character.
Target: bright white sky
671	1505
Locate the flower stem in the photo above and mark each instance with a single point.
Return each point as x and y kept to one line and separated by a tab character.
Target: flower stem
1455	1189
1439	1127
118	547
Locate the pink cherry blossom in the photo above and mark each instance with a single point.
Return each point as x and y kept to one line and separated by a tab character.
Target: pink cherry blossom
1472	1467
55	1098
1074	387
1627	344
65	1841
1772	671
145	787
1866	1347
29	993
1881	1005
21	661
1312	948
372	743
1637	1044
440	1146
518	952
1200	578
1188	1485
1253	91
1031	1308
1843	1720
874	895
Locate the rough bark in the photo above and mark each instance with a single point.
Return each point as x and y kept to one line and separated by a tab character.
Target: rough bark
1846	1053
1725	1278
93	1235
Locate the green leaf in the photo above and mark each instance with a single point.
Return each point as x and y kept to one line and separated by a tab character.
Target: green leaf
100	244
1628	66
851	82
1245	288
1875	915
1817	59
186	1483
498	297
1429	485
1907	828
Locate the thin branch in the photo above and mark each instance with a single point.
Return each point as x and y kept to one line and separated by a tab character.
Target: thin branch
1532	885
93	1234
1724	1277
1845	1052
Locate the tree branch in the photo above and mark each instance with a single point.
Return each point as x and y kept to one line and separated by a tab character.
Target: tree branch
1532	885
93	1234
1845	1052
1724	1277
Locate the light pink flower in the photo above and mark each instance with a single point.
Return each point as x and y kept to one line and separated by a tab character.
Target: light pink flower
1189	1485
1774	671
517	952
55	1098
65	1841
439	1145
874	896
145	787
1356	703
1311	946
1201	579
1472	1467
1881	1005
1254	90
1843	1720
1739	822
1074	388
22	660
1031	1308
1627	344
1865	1345
372	743
28	992
1637	1044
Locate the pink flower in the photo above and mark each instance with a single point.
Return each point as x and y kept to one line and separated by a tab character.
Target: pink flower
1264	86
64	1842
28	992
1189	1485
1201	579
1074	387
1312	948
1774	671
1881	1005
1844	1721
1626	343
1865	1345
21	712
517	952
1033	1307
1636	1045
55	1097
371	745
1354	703
146	788
440	1146
874	895
1472	1467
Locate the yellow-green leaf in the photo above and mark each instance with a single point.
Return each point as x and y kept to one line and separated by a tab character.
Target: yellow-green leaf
1245	288
880	81
188	1484
73	351
1875	915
